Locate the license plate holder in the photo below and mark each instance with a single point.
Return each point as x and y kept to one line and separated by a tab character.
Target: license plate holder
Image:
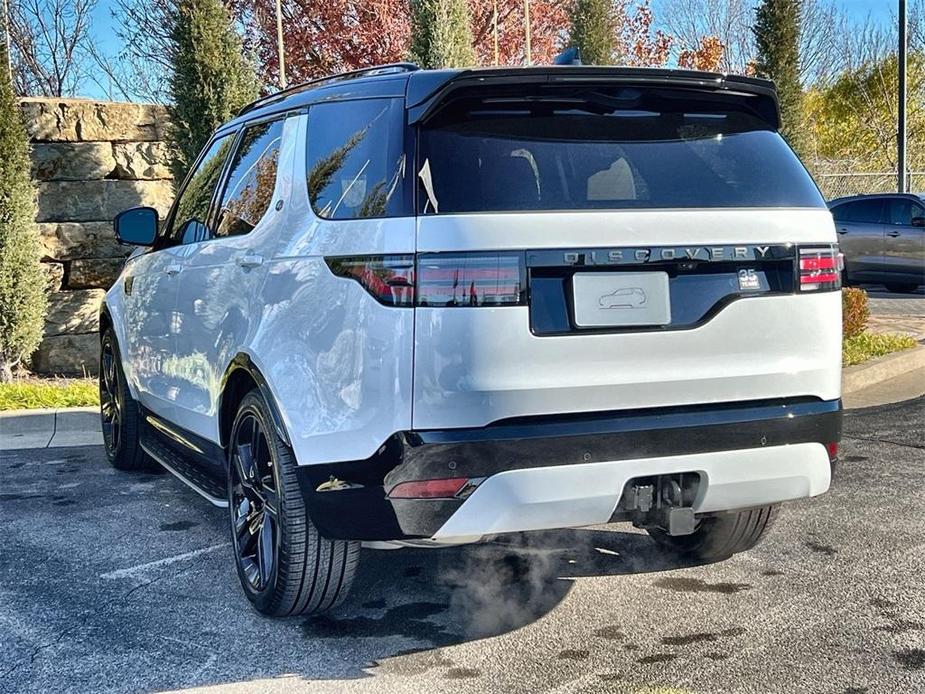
621	299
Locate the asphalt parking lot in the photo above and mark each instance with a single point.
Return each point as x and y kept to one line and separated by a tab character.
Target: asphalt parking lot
120	583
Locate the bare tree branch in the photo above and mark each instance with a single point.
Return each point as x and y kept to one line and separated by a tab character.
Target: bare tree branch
49	40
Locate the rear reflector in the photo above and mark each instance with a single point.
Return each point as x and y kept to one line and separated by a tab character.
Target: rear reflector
471	279
832	448
429	489
819	269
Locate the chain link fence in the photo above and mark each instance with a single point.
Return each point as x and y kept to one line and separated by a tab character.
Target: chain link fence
836	185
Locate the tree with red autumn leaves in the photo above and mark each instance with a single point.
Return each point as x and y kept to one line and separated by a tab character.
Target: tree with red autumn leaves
328	36
323	37
708	56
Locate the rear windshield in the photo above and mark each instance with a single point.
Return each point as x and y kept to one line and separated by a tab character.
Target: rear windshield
626	149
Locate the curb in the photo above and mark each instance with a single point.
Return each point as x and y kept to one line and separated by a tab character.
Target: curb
854	378
73	426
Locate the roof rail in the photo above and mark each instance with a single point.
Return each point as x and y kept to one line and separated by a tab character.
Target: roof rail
387	69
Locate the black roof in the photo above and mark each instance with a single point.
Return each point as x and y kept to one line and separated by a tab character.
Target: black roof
423	88
917	197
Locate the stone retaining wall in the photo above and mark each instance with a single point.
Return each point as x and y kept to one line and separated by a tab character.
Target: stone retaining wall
90	160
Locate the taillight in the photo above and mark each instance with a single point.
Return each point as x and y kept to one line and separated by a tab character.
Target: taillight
439	279
471	279
389	278
820	269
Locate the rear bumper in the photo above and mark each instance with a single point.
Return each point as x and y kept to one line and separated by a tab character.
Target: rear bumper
571	470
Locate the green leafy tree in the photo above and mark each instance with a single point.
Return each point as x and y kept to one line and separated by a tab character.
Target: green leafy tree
440	34
777	38
593	31
851	123
212	77
22	282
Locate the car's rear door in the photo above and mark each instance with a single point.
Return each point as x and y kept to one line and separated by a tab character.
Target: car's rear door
859	224
904	243
222	273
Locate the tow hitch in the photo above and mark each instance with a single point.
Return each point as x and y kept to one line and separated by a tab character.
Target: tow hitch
665	502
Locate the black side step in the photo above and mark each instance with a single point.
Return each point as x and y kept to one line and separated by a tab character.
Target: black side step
181	467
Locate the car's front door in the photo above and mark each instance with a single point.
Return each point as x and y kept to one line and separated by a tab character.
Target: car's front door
150	286
859	224
222	273
153	283
904	242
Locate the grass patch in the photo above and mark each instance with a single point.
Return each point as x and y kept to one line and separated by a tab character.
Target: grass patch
867	345
33	393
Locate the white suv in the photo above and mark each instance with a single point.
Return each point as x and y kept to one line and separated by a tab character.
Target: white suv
428	307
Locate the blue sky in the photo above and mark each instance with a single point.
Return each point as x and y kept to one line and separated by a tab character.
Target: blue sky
104	34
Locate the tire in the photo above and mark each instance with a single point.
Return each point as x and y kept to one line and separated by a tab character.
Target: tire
285	567
901	288
120	417
719	537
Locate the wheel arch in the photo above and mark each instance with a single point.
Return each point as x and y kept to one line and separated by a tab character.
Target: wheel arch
105	319
242	376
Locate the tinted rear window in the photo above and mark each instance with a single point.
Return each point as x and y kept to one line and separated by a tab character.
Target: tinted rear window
867	211
617	150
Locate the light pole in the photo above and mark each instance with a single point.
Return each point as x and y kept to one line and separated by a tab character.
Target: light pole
901	120
528	52
279	44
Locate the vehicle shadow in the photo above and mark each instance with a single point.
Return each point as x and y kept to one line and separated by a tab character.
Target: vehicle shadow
448	596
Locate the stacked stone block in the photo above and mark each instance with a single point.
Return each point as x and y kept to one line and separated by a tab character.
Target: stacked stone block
90	161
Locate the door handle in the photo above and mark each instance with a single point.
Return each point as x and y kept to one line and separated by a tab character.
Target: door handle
842	231
173	269
893	234
249	260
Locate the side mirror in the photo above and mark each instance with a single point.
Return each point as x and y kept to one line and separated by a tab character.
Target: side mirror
918	221
136	226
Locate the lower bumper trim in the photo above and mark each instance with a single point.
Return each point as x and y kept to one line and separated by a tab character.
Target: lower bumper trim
362	510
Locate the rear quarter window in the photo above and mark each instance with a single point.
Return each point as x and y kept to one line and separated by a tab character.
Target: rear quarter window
356	159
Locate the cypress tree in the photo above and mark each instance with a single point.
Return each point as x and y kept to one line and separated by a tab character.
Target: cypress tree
212	77
593	31
22	282
440	34
777	35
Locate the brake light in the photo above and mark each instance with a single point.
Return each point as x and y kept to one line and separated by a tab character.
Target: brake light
389	278
471	279
438	279
820	269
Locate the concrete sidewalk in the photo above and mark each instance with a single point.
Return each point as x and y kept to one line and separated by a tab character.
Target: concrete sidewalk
78	426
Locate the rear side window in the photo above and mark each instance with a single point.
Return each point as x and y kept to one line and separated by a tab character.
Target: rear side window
605	149
356	159
902	211
251	179
862	211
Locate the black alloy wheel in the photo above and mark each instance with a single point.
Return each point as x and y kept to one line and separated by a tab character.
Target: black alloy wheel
112	404
254	503
120	417
285	566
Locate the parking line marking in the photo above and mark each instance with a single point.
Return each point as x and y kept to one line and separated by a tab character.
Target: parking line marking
140	568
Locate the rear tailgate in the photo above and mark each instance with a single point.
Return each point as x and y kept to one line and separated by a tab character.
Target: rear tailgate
738	330
596	240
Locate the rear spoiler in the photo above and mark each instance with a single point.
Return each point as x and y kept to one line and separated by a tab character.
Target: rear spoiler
427	89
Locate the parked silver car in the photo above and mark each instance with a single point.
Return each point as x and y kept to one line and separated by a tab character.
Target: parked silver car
883	239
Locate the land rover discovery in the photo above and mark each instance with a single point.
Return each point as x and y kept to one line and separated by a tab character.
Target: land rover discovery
430	307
